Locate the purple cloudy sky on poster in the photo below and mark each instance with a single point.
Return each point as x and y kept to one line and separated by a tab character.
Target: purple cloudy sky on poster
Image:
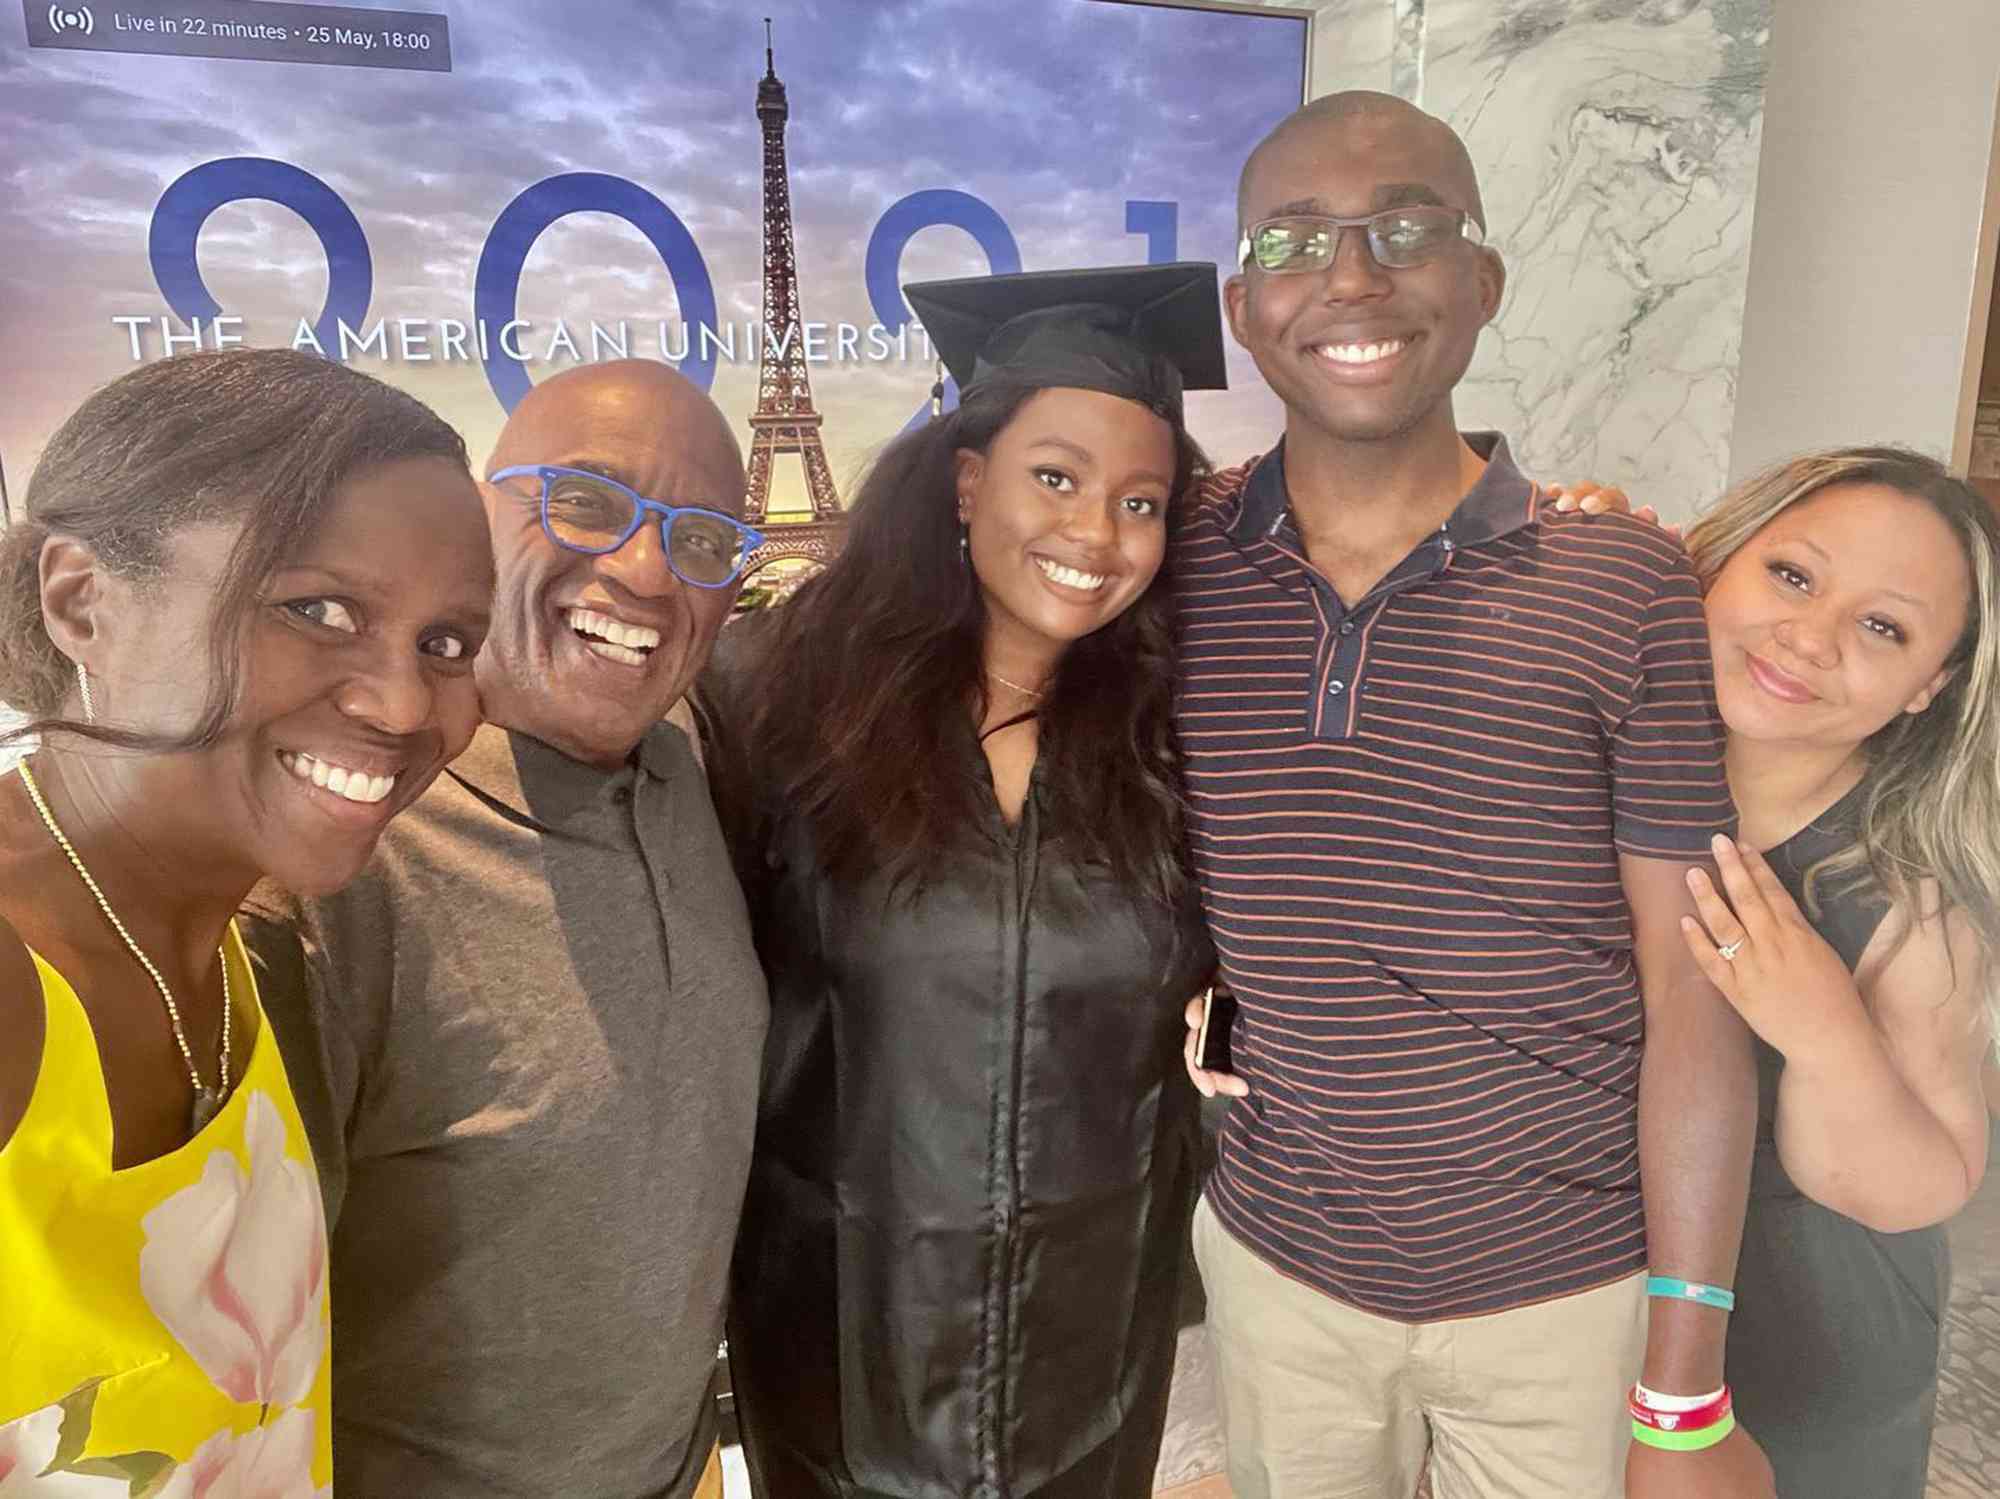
1053	112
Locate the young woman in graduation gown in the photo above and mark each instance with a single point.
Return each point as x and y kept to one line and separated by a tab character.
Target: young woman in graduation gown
976	1152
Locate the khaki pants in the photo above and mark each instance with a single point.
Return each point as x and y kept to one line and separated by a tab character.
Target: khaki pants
710	1486
1321	1401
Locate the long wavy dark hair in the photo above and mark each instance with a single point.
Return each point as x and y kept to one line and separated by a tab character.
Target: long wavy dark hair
863	684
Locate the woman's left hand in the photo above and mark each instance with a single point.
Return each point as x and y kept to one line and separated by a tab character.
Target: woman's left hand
1760	951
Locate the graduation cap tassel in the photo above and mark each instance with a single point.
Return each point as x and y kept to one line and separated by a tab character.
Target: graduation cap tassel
937	392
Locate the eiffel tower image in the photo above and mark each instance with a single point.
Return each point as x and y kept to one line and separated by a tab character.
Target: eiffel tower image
785	421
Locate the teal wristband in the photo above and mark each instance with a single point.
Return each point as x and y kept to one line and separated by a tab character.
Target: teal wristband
1669	1288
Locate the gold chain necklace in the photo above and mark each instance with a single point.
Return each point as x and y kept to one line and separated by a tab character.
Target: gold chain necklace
1024	691
207	1101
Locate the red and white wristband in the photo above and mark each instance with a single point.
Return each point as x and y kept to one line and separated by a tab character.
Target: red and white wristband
1681	1423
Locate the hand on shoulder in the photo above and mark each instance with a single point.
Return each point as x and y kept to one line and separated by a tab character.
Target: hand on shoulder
1592	498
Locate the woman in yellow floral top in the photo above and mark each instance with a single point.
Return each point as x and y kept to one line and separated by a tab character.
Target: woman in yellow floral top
241	611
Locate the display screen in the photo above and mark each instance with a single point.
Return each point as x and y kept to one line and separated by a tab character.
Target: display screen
467	198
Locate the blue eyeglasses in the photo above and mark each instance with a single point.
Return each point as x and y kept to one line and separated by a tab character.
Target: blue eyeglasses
586	512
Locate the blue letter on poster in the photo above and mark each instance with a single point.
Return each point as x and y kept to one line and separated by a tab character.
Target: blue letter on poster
496	285
905	219
185	206
1160	223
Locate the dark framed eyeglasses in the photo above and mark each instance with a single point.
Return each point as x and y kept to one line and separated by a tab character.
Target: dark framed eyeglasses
1398	238
586	512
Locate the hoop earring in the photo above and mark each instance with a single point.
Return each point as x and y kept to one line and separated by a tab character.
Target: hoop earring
83	686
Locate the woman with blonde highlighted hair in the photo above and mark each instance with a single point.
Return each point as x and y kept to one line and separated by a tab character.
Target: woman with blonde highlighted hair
1853	602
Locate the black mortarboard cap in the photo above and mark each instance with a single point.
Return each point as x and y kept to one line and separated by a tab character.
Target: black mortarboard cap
1144	332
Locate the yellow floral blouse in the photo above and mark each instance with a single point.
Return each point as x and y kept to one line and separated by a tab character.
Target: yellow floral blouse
163	1329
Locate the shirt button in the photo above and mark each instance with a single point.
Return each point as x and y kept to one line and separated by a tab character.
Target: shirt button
1334	689
1347	627
621	796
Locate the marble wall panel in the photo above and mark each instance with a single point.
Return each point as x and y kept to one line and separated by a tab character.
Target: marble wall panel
1617	145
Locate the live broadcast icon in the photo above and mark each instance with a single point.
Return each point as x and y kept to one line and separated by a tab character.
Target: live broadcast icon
259	31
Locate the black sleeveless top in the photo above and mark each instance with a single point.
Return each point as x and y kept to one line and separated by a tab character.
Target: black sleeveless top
1833	1347
1847	916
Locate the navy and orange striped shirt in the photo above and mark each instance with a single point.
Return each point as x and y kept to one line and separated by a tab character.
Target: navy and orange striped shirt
1405	818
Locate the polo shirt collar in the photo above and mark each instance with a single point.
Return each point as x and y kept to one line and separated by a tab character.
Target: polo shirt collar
541	785
1503	499
656	755
488	764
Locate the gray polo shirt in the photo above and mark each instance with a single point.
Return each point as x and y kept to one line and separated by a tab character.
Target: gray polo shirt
533	1030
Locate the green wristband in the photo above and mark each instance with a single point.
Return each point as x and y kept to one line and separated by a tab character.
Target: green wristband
1684	1441
1672	1288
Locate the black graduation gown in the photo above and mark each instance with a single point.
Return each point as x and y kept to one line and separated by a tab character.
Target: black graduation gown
976	1155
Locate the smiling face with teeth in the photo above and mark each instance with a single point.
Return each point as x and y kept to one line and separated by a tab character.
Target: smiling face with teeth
1360	353
1065	516
589	652
356	683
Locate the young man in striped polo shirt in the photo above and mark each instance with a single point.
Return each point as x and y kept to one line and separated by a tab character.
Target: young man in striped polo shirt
1450	758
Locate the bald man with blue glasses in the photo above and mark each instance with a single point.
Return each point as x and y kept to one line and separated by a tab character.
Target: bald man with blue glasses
530	1033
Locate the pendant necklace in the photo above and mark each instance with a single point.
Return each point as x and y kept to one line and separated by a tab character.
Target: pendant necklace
207	1101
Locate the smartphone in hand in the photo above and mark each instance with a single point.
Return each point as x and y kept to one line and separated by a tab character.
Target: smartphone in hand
1218	1018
